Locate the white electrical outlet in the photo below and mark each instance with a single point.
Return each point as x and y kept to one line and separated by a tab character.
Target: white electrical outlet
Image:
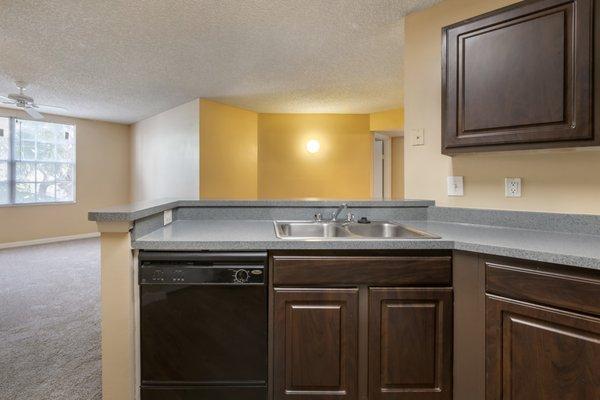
418	136
456	186
167	217
512	187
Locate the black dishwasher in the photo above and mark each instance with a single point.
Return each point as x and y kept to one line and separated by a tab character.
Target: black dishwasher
203	325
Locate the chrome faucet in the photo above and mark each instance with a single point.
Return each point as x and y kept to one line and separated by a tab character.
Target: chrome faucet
336	213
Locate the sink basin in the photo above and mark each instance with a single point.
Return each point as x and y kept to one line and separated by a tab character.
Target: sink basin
387	230
310	230
347	230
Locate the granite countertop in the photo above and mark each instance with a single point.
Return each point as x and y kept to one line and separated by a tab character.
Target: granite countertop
537	245
135	211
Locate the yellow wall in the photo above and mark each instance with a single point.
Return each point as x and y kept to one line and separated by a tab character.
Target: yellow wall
387	121
553	180
341	169
228	152
397	167
103	179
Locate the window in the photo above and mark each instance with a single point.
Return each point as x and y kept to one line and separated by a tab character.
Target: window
37	162
4	157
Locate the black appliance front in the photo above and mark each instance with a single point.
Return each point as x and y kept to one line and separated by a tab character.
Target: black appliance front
204	393
203	326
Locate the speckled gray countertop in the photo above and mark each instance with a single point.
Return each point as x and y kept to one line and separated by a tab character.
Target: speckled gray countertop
537	245
135	211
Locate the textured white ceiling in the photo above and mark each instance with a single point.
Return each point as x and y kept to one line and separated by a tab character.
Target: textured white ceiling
124	60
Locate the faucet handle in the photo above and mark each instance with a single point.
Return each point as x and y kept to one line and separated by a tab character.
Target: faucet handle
318	217
350	217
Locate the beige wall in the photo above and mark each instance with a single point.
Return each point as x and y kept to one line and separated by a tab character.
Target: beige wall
165	154
118	315
228	152
397	167
102	180
341	169
553	180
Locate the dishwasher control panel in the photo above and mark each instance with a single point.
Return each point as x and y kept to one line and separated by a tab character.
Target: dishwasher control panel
192	274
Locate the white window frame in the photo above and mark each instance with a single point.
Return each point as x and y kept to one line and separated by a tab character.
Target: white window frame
12	170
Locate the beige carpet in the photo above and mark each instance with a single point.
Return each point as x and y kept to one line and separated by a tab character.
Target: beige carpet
50	322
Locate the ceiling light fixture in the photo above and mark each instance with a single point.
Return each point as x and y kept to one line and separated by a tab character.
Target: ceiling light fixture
313	146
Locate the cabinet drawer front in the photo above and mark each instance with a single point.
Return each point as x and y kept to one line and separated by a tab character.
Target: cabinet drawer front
410	344
551	286
388	271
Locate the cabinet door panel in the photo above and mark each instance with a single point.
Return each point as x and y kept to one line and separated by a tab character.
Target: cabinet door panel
315	333
539	353
410	343
520	76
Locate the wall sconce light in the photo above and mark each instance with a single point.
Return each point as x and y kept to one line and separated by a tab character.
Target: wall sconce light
313	146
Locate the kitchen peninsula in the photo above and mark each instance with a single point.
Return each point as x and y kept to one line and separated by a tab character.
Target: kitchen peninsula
446	295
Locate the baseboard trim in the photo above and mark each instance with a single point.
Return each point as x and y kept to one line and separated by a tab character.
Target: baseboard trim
48	240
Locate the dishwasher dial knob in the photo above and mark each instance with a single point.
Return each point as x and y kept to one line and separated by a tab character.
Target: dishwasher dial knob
241	276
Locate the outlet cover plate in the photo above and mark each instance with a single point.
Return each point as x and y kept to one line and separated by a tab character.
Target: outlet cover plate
456	186
512	187
167	217
418	136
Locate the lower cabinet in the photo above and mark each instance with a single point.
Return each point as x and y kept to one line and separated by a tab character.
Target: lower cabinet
410	343
542	332
380	327
315	343
339	332
535	352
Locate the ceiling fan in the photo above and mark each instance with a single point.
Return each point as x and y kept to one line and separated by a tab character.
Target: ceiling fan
26	103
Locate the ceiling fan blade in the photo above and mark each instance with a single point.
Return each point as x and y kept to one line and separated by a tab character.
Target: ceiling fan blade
5	98
33	113
49	106
9	102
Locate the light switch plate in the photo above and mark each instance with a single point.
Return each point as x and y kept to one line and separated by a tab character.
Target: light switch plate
456	186
512	187
167	217
418	136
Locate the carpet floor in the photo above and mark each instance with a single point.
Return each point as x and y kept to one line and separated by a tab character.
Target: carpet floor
50	322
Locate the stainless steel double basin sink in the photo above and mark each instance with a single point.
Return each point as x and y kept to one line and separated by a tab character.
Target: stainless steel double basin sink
324	230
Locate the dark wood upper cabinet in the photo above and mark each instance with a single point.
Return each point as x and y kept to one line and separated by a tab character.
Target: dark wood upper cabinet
521	77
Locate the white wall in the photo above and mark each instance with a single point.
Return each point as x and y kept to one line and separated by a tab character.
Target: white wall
165	154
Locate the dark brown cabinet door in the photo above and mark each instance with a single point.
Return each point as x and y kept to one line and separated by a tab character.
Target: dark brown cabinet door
410	343
315	337
520	77
539	353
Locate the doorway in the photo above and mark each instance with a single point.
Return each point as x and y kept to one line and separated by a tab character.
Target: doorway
388	166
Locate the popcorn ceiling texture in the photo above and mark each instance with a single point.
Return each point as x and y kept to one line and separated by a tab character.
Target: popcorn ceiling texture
123	61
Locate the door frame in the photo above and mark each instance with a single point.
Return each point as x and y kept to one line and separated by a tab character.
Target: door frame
386	138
